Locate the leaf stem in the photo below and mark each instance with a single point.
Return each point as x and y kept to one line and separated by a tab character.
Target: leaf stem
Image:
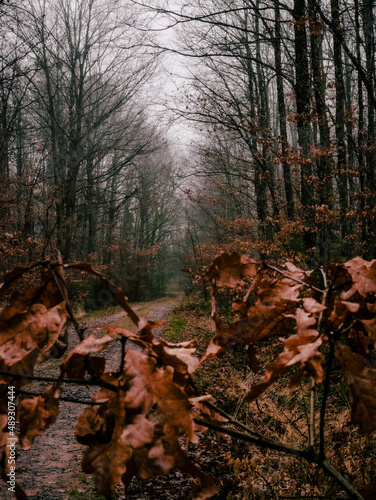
268	266
325	397
77	327
61	398
123	350
311	429
91	381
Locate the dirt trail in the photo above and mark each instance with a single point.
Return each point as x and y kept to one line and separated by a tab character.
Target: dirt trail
50	470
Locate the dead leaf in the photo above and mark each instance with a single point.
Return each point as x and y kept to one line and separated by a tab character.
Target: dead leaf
300	348
370	327
76	364
37	414
264	320
117	292
136	431
312	306
10	278
228	270
30	334
363	274
361	376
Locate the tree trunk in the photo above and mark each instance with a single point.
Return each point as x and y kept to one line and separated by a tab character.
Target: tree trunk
340	117
282	115
302	93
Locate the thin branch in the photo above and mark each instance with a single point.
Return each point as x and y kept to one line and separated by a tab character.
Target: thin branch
307	453
231	420
333	472
268	266
123	349
61	398
91	381
323	300
77	327
311	427
262	441
325	396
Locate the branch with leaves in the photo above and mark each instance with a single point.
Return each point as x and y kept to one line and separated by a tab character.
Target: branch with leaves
133	423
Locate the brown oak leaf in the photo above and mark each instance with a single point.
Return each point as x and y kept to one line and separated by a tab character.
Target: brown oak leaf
136	431
11	277
361	377
37	414
228	270
300	348
117	292
363	274
76	364
370	327
264	320
27	335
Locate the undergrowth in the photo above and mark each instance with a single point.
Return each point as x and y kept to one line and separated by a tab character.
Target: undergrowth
280	413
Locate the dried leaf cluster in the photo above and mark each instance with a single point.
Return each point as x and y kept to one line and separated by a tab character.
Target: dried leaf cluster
136	420
133	425
305	310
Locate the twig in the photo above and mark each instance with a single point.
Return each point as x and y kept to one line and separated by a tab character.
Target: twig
61	398
333	472
323	300
213	304
122	361
231	420
325	396
91	381
262	441
308	453
268	266
311	428
77	327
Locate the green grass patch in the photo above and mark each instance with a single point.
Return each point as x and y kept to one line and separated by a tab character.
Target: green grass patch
175	328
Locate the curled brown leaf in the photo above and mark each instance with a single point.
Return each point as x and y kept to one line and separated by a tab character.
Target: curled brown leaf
37	414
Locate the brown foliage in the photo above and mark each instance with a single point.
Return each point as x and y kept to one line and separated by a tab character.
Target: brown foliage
133	429
290	302
135	432
361	378
228	270
139	415
37	414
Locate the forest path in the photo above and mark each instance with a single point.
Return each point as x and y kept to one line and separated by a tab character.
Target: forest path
50	469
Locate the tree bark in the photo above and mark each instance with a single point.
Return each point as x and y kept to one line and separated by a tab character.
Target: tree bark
282	115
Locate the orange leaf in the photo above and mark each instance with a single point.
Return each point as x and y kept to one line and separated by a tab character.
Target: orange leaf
117	292
136	431
264	320
28	335
10	278
363	274
230	269
312	306
300	348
